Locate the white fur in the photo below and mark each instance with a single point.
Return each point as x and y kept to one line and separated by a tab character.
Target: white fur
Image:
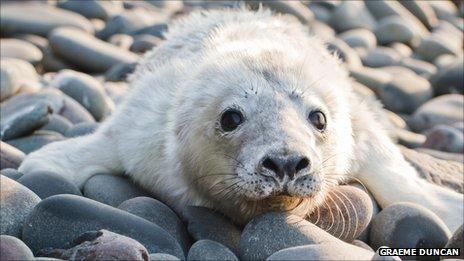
165	135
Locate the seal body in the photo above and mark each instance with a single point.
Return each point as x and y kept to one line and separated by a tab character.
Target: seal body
244	112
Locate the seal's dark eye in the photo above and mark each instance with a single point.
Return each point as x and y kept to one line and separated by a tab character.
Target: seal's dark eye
231	119
317	119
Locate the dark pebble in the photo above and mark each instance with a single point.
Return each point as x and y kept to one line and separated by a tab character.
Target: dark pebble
457	241
12	248
81	129
57	123
13	174
35	141
210	250
46	184
10	157
75	112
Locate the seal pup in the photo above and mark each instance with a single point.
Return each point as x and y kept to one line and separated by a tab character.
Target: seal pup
243	112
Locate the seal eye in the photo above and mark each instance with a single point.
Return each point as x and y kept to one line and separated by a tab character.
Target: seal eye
317	118
231	119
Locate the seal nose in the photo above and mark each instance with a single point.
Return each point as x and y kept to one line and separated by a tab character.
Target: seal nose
289	165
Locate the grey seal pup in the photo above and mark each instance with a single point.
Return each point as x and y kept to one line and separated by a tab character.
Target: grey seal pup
244	112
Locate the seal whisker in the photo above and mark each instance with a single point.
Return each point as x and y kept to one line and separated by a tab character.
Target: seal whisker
343	217
354	210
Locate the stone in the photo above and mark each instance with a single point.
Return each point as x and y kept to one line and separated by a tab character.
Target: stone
393	29
371	77
363	90
378	257
57	220
19	49
445	109
111	189
92	8
457	241
345	53
210	250
17	202
84	89
405	92
45	184
402	49
297	9
444	9
396	120
53	98
346	214
408	225
24	121
129	21
204	223
160	214
444	173
381	57
14	74
322	30
57	123
156	30
409	139
39	19
123	41
75	112
13	174
420	67
81	129
450	79
423	11
163	257
35	141
321	13
144	42
435	45
324	251
100	245
87	52
287	231
120	72
359	38
351	15
11	248
361	244
10	157
442	155
444	138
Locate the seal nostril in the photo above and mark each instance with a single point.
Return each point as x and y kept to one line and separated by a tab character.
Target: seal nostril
270	164
303	163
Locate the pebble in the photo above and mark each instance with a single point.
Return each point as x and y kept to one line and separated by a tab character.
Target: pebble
24	121
160	214
442	155
351	15
405	92
204	223
322	30
59	219
163	257
40	19
347	213
423	11
145	42
75	112
345	53
19	49
11	248
130	21
408	225
86	51
378	257
10	157
11	173
435	45
396	120
15	73
123	41
409	139
420	67
402	49
444	138
84	89
53	98
361	244
57	123
52	63
393	29
81	129
371	77
17	202
210	250
93	8
273	231
35	141
100	245
359	38
363	90
111	189
120	72
457	241
45	184
381	57
321	13
444	109
323	251
450	79
156	30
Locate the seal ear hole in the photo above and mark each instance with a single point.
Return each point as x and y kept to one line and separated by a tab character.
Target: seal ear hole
231	119
318	120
